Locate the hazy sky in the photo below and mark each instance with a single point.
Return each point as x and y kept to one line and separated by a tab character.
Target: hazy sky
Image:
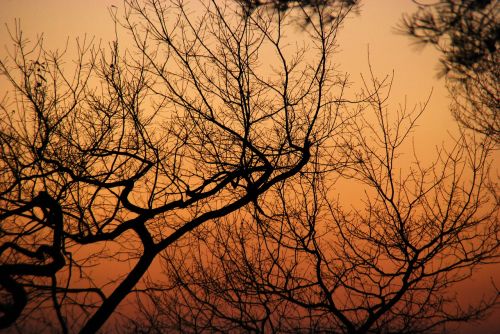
375	28
415	69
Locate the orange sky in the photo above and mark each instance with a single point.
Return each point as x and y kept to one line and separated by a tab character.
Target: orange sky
415	68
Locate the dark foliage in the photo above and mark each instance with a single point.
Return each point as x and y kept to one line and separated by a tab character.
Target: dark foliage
467	34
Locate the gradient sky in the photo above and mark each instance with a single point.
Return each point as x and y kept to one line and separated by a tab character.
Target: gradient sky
415	68
375	28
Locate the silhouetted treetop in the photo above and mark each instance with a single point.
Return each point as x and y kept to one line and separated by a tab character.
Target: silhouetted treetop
466	32
467	35
305	6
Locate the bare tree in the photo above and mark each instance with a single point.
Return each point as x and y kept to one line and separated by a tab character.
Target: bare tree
122	153
466	33
304	261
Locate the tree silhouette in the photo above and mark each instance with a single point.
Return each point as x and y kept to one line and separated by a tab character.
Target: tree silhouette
306	6
467	34
120	154
307	262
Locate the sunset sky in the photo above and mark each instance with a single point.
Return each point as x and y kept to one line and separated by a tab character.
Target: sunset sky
415	68
374	29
